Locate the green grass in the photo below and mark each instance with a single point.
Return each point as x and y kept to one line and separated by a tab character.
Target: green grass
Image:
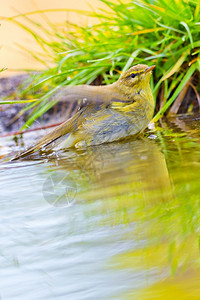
3	69
163	32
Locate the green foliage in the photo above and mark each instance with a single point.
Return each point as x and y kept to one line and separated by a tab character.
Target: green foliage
16	101
3	69
162	32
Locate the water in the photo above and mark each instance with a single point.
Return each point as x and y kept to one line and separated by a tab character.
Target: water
116	221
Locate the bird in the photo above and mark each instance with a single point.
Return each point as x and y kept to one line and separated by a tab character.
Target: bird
107	113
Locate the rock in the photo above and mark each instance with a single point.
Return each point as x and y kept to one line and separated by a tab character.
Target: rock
9	85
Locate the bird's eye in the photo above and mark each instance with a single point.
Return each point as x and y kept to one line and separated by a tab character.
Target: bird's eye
132	75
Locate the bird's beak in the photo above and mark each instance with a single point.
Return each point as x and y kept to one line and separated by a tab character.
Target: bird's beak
149	69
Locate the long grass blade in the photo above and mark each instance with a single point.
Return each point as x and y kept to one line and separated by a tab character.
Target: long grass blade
176	93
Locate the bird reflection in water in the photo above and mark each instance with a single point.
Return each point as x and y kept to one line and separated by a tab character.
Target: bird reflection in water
136	169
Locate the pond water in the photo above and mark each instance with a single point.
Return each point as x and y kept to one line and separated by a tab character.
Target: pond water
115	221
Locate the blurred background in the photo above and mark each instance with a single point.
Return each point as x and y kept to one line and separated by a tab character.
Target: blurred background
14	58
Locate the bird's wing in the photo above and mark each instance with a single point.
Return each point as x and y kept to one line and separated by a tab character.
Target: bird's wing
69	126
88	107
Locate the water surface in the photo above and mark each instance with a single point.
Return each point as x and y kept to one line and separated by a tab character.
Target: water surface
116	221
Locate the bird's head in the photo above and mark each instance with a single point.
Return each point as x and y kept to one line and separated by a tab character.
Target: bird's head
137	77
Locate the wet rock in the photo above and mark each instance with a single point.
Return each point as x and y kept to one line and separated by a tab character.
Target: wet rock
8	123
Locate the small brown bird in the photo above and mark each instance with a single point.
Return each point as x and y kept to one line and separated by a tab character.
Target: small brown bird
109	113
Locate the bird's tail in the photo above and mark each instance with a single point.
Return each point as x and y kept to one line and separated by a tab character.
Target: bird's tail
59	131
